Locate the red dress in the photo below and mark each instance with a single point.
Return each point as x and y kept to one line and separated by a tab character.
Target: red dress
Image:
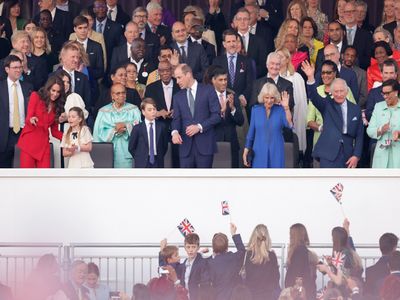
34	140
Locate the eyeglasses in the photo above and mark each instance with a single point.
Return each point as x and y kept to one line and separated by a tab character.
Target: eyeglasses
327	72
386	93
140	16
16	68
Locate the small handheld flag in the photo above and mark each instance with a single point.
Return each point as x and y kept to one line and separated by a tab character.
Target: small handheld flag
337	192
225	208
185	227
338	259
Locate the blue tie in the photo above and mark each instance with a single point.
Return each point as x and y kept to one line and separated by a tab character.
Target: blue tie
231	70
151	137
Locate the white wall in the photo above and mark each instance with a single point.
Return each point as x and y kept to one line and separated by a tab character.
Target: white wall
146	205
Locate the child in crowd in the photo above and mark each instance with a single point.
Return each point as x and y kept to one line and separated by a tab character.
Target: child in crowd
77	140
169	255
149	139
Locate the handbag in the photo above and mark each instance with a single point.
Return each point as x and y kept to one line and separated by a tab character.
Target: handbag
242	272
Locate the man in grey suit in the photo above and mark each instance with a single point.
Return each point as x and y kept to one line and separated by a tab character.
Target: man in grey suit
349	58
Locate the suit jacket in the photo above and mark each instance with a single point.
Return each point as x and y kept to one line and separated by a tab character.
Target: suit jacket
139	144
321	57
244	75
349	76
162	31
152	42
74	8
217	23
62	23
374	96
264	32
7	27
199	276
363	43
206	113
374	277
208	48
362	85
119	56
38	75
72	294
112	36
95	54
156	92
5	109
122	17
196	59
332	137
257	50
283	85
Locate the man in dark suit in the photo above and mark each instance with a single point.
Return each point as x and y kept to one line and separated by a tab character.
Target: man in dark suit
195	36
341	141
237	66
116	13
360	38
7	29
155	13
71	6
12	116
196	113
149	140
231	113
34	68
191	54
62	20
139	16
337	38
260	28
56	39
375	274
254	46
331	52
112	31
123	52
74	288
162	91
138	57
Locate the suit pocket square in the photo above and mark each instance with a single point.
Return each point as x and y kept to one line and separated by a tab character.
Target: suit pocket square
91	53
354	119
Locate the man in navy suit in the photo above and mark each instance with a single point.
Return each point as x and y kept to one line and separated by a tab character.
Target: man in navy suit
231	114
196	113
149	141
191	54
332	53
155	13
341	141
12	117
70	6
375	274
116	13
195	36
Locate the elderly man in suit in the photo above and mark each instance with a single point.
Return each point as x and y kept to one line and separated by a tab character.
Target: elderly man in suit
74	288
196	113
191	54
155	13
376	273
123	52
341	141
14	96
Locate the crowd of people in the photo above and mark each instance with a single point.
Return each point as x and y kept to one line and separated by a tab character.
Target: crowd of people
149	84
251	272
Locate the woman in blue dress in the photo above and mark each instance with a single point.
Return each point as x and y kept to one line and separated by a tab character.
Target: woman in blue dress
265	133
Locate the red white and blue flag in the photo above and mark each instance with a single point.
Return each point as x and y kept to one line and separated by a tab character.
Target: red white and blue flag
337	192
185	227
225	208
338	259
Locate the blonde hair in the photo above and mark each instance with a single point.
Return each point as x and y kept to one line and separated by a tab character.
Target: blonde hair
20	34
75	46
280	37
269	89
259	244
47	46
286	52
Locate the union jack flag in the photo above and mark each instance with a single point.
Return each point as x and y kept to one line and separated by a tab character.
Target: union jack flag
185	227
337	192
321	293
338	259
225	208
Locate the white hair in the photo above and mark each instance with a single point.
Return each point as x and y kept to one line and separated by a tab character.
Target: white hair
269	89
153	6
273	55
341	81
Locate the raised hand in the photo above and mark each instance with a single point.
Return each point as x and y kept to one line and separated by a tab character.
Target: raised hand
285	99
308	69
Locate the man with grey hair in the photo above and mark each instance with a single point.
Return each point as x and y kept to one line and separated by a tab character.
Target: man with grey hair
155	13
361	14
74	288
273	68
140	16
341	142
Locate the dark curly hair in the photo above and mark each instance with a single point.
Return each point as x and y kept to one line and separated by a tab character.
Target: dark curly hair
44	94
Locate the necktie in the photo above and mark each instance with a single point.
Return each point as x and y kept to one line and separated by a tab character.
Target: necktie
221	102
109	14
350	36
100	27
80	294
153	28
72	81
183	54
151	137
244	42
231	70
191	102
16	121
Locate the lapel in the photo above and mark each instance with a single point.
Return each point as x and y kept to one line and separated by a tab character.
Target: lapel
194	265
239	66
26	92
197	97
157	126
146	137
107	27
5	100
338	118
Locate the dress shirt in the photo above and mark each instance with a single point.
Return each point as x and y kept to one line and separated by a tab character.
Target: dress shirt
128	49
245	37
84	43
353	29
137	63
188	269
21	103
1	8
195	41
225	100
72	74
103	24
339	46
63	6
253	28
53	13
274	79
113	13
142	34
154	134
167	89
343	107
186	48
